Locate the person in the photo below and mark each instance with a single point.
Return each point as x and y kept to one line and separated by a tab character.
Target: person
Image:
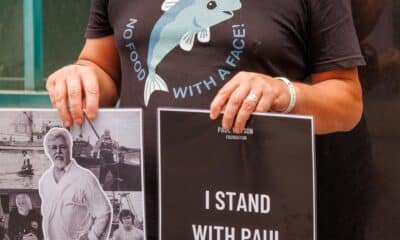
106	148
27	161
226	55
2	223
2	230
127	230
24	222
73	204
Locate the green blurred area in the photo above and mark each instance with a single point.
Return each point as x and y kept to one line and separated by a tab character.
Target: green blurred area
64	24
11	40
63	31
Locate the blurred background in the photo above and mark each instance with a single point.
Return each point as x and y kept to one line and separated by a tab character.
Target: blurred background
39	36
36	38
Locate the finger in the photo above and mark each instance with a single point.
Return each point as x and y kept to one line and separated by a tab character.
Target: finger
233	105
91	91
61	104
50	86
219	101
265	104
247	108
74	88
266	101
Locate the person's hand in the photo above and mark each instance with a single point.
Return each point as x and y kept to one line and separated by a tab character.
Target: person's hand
72	89
245	93
84	237
30	236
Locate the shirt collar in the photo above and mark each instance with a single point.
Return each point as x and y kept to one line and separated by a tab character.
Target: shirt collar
68	167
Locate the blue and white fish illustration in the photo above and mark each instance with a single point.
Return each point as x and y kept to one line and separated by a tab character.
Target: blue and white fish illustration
179	25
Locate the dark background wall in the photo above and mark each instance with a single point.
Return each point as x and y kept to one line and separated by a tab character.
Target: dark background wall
64	27
382	108
11	39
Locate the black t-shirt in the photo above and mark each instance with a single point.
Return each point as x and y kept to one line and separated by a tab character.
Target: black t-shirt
195	46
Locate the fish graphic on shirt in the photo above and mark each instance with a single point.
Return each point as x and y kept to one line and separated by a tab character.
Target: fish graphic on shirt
181	22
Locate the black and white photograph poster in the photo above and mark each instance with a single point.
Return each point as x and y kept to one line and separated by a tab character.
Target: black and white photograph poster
128	213
257	185
108	148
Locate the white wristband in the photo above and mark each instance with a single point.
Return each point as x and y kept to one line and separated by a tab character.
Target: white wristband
292	92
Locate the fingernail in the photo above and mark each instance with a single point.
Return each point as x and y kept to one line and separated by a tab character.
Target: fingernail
91	115
212	115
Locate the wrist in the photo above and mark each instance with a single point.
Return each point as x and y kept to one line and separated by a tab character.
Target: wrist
289	101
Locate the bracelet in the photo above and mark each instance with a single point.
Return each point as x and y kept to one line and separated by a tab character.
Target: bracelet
292	92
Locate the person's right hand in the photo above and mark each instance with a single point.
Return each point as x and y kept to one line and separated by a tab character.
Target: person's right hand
84	237
73	89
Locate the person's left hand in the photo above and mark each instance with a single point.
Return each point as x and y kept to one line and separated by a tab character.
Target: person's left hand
245	93
30	236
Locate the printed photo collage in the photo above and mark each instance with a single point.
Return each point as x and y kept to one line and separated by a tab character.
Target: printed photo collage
76	183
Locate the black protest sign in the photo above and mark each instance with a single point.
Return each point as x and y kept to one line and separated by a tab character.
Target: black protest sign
258	185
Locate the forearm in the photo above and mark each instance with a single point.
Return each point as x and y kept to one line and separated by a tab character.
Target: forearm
336	104
100	209
100	226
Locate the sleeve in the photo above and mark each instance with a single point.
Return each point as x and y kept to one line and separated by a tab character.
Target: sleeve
99	24
99	207
333	39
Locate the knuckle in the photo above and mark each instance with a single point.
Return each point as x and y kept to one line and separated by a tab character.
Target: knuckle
267	90
93	90
235	100
248	106
86	69
58	98
51	80
274	92
270	90
223	92
73	68
74	92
